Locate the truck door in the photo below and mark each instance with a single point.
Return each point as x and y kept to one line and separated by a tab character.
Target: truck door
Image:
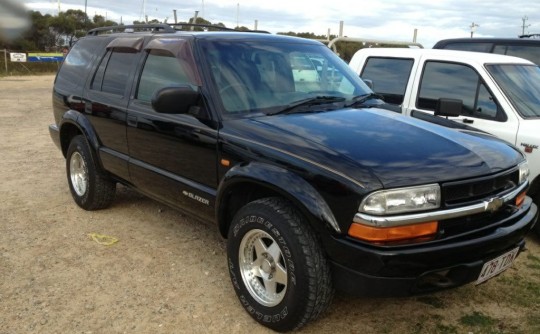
481	107
172	156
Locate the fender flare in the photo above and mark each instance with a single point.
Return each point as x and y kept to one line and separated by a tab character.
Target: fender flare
74	119
278	180
83	125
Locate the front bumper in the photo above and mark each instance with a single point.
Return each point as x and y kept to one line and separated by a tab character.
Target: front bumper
362	269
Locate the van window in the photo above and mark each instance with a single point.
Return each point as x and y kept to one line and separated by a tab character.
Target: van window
528	52
456	81
475	47
521	83
389	77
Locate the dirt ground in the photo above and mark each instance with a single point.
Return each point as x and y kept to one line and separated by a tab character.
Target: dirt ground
167	274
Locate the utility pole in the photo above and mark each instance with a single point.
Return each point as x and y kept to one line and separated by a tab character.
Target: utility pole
237	14
523	26
195	19
473	27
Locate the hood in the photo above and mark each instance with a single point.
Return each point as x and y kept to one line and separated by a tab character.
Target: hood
397	150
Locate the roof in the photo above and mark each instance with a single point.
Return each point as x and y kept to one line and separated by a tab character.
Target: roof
166	30
477	57
498	40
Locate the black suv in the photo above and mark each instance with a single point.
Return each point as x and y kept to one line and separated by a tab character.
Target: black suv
313	186
523	47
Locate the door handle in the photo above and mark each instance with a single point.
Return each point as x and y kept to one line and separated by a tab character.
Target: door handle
132	121
468	121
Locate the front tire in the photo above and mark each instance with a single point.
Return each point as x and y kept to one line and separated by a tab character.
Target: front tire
90	188
277	267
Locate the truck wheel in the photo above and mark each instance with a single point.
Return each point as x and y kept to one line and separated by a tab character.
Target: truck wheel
277	267
536	200
91	189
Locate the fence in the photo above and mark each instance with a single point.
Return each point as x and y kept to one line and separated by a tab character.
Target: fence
7	67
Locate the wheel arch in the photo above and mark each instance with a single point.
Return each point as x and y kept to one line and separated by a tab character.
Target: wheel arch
534	189
245	183
73	124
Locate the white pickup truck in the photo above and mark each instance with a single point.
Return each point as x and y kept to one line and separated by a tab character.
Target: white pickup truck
493	93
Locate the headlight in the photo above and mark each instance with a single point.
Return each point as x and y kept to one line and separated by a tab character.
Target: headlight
402	200
523	171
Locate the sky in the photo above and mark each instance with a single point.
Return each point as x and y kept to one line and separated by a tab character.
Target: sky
389	20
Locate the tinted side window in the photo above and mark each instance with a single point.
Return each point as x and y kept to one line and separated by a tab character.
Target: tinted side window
456	81
113	71
76	66
389	76
476	47
160	70
528	52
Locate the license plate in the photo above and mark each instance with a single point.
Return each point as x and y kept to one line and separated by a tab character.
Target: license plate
497	265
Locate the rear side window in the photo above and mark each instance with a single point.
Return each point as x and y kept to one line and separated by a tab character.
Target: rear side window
76	66
389	77
476	47
113	71
528	52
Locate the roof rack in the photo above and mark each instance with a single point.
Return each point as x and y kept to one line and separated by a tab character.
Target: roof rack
535	36
153	27
208	26
163	28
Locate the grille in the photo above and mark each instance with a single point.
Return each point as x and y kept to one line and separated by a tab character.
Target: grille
462	192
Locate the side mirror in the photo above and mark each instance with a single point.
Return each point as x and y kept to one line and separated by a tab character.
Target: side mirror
369	83
175	99
448	107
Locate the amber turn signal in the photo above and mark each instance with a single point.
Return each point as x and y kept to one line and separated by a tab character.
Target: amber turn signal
424	231
520	198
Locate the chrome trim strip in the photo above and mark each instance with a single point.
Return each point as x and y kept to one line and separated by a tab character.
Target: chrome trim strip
388	221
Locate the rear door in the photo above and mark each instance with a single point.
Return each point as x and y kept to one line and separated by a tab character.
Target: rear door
106	99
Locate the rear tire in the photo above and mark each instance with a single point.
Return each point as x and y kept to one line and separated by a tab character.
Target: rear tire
276	264
90	188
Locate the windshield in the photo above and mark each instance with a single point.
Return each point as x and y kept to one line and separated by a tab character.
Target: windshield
255	78
521	83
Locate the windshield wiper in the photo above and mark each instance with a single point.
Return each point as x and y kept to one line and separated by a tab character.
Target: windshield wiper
312	101
360	100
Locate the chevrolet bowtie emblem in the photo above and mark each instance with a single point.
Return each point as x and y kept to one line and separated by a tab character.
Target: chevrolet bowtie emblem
493	204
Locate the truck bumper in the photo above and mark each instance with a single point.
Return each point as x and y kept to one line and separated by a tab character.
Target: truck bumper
360	269
55	135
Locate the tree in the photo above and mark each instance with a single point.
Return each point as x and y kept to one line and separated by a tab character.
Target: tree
70	24
100	21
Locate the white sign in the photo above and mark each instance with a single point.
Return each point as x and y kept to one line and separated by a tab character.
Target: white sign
17	57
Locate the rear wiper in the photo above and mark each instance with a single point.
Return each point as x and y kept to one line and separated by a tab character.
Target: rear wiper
361	99
312	101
